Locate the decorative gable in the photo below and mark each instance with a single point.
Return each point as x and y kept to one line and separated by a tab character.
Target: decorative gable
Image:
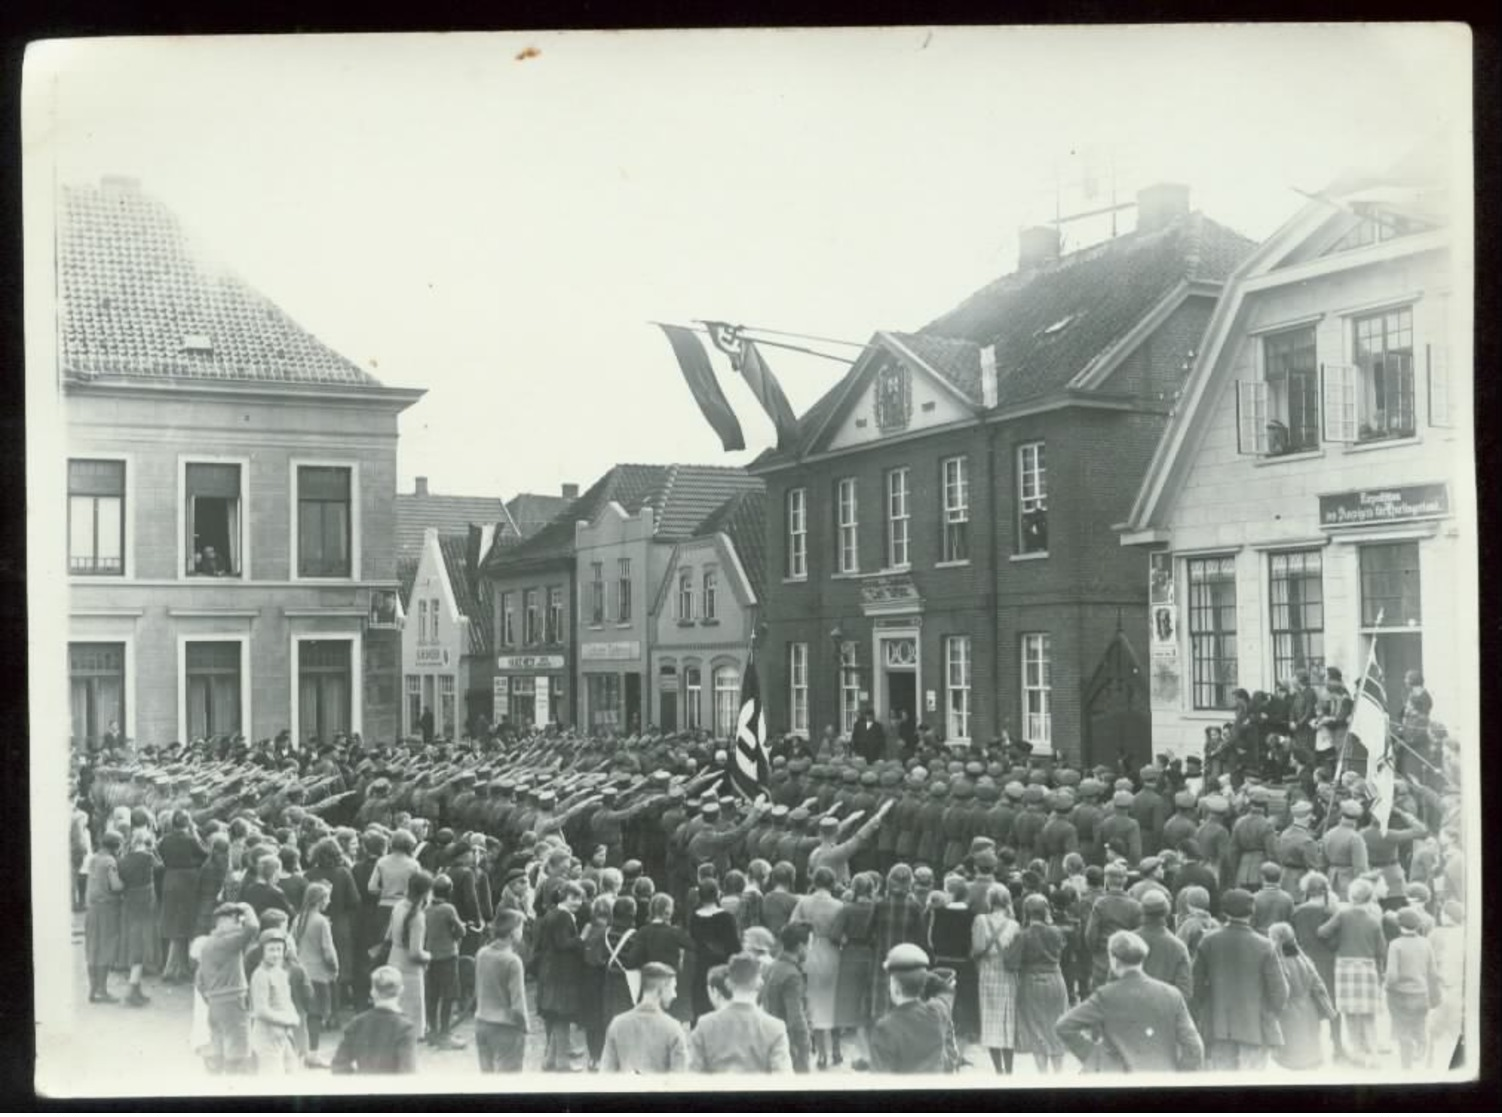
897	397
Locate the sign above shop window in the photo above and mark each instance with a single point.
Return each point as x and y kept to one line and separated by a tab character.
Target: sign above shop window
618	649
1393	504
529	663
431	656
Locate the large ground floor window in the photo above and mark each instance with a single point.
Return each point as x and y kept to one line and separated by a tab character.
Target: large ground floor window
324	688
727	701
603	693
96	683
211	671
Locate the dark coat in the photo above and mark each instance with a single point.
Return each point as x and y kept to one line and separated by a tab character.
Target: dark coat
869	740
1133	1024
910	1039
562	980
377	1042
1239	987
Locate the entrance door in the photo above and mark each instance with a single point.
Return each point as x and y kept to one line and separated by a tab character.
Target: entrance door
667	717
1118	718
902	697
1397	654
633	702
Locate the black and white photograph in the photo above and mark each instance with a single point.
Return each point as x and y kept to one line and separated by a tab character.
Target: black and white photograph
763	559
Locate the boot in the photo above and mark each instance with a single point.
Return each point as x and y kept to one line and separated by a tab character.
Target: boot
136	998
836	1056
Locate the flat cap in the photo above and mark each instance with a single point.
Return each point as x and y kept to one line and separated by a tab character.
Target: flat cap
1122	799
1034	793
975	768
1062	800
1155	902
1237	903
1148	865
1015	790
850	775
905	956
891	778
1123	784
1184	799
1302	808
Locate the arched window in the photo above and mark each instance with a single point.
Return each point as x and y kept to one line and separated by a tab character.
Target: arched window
727	700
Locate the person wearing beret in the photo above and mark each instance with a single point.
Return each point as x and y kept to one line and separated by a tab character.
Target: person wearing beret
1134	1023
1239	989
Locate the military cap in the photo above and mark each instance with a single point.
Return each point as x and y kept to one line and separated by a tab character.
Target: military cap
1090	787
780	811
905	956
1034	793
1037	775
1351	809
975	768
1184	799
779	761
829	823
1122	799
995	770
546	796
1302	808
920	773
1148	865
1067	777
870	778
917	779
1063	800
1259	796
986	792
1015	790
1150	774
1215	804
850	775
800	764
691	803
728	801
709	806
962	789
1123	784
938	788
890	778
956	767
798	814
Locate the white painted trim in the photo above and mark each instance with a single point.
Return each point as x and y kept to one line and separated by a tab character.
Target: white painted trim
248	614
1286	324
128	544
740	571
879	698
325	611
104	611
128	640
185	460
164	583
1380	253
1307	543
1387	533
356	678
183	640
1372	306
355	520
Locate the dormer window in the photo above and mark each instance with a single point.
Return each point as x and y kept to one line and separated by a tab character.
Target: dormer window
197	343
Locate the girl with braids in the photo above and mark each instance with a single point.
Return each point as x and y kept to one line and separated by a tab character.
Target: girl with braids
408	934
313	939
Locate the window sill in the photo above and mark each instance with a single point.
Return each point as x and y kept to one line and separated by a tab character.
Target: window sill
710	622
622	624
686	624
795	580
1030	556
951	564
1279	459
845	576
905	568
1382	444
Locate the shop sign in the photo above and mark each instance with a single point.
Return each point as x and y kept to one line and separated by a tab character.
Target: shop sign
432	656
1393	504
529	663
617	649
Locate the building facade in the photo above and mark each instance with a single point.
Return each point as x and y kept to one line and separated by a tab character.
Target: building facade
447	666
937	546
230	487
1312	505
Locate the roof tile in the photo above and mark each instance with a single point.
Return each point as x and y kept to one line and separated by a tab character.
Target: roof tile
415	513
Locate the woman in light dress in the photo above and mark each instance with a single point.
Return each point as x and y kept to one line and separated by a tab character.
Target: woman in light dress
990	935
819	909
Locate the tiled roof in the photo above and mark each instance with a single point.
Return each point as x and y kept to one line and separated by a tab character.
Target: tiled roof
531	512
473	594
449	514
138	298
689	493
1049	323
406	575
744	519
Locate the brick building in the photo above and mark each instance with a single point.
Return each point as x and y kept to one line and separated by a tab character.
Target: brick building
230	489
1314	496
939	537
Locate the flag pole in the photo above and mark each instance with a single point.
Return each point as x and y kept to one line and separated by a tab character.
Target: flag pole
1345	744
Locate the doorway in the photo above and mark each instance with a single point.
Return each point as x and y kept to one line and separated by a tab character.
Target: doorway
633	702
1118	716
902	696
1397	654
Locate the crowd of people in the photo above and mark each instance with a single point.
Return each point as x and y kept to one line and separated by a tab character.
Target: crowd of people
900	914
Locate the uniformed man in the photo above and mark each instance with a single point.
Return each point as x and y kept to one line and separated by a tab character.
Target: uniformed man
1183	824
1087	817
906	814
1382	851
713	843
1119	833
1150	808
1058	838
930	845
1029	824
787	843
884	856
1252	843
773	833
1297	850
957	824
1213	838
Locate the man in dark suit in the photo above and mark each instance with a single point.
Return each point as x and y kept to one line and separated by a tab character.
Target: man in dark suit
911	1038
382	1040
782	994
1239	988
1133	1023
868	739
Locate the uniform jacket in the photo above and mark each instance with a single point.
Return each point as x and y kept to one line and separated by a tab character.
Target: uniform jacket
1240	987
1120	825
1151	811
1134	1024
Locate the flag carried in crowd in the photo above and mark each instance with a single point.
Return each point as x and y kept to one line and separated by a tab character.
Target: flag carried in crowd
1369	724
748	767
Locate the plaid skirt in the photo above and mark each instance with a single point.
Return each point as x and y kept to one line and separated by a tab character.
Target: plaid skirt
1358	989
997	987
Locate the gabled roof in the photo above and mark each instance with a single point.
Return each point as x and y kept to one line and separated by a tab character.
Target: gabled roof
416	512
406	576
140	299
471	593
1051	325
743	520
531	512
689	493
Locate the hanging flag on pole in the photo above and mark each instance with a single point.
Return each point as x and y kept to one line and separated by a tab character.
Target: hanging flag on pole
1370	725
747	768
706	389
746	359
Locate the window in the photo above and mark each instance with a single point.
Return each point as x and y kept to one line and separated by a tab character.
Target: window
213	687
414	705
1279	414
847	558
897	518
96	683
850	686
1374	227
433	614
1374	399
448	710
957	686
211	515
1298	613
1037	688
604	701
531	617
1390	586
555	615
956	510
727	701
96	517
422	621
623	593
692	690
597	593
685	595
508	620
711	593
324	690
798	688
1032	500
1212	631
797	512
323	521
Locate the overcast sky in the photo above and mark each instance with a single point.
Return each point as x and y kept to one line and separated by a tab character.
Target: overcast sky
501	231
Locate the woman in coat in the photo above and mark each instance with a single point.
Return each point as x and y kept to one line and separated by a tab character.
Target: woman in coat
660	941
606	954
209	884
819	909
408	935
596	954
138	910
1355	931
949	943
990	936
327	866
181	856
560	975
101	923
715	937
898	917
852	933
1033	955
1318	906
1308	1003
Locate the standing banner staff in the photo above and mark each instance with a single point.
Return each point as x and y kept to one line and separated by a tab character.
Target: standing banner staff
746	767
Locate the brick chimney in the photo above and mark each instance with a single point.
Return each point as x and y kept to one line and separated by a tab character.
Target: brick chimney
422	486
1037	245
570	491
1161	204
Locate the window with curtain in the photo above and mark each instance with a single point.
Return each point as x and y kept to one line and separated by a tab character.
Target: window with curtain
1384	359
1032	500
1212	631
727	700
323	522
693	687
897	518
798	688
211	515
422	620
623	593
213	687
531	617
685	595
956	510
711	595
1298	613
433	615
957	686
96	680
324	688
597	593
1037	688
847	556
555	615
96	517
508	620
850	686
448	709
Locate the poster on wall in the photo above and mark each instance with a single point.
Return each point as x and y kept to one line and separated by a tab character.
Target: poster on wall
501	695
1165	675
1160	587
1164	630
544	711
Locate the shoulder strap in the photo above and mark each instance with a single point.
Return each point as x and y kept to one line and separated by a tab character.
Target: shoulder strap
615	953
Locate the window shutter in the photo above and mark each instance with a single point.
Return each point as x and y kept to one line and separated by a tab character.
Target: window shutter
1339	383
1251	417
1439	385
